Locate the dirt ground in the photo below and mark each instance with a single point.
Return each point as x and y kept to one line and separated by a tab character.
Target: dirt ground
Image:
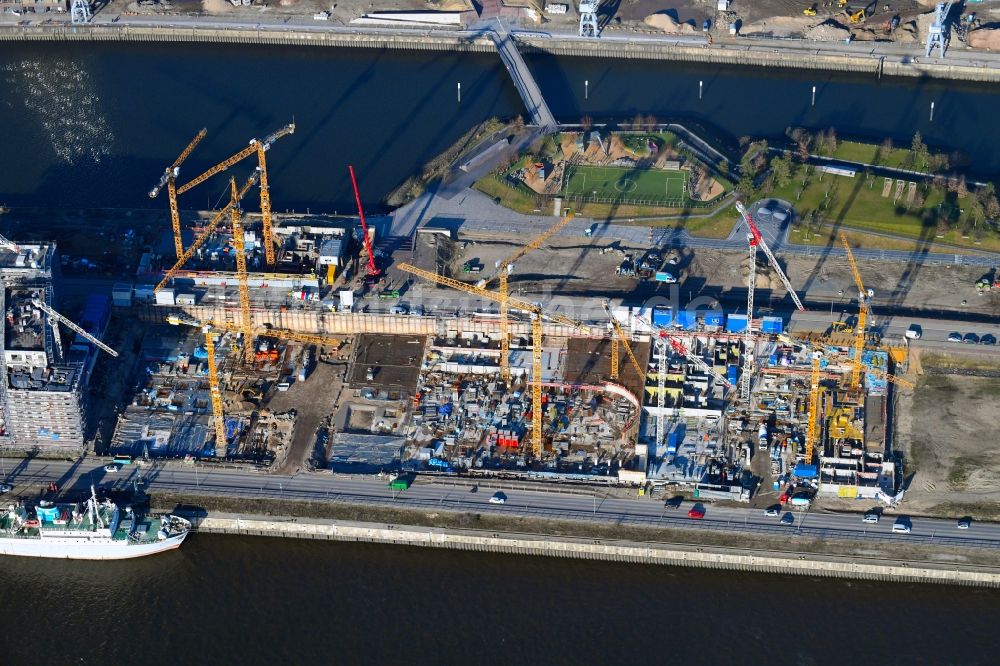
589	362
581	267
948	429
313	400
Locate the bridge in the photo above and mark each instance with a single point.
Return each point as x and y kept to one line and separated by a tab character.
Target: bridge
525	83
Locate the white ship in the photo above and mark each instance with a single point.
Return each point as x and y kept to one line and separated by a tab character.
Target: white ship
93	530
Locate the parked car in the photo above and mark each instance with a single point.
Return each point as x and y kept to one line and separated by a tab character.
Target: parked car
112	468
772	511
954	336
498	498
674	502
5	488
971	339
988	339
697	512
964	523
787	519
870	517
398	310
902	525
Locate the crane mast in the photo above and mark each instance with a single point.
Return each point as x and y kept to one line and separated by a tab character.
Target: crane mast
246	322
619	334
168	180
859	330
754	232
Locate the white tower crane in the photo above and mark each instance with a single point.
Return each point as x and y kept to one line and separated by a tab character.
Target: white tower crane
55	318
755	239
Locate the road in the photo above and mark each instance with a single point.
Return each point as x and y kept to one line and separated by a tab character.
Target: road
427	494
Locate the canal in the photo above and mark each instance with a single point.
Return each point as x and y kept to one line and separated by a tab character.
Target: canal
94	124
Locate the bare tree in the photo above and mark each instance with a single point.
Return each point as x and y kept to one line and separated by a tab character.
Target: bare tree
586	123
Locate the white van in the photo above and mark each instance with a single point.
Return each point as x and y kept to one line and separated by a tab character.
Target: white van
902	525
914	332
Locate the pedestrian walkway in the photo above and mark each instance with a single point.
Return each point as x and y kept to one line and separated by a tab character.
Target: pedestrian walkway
525	83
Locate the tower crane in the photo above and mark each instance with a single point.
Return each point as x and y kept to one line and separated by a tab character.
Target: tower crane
168	179
755	239
208	231
246	323
863	296
258	147
55	318
210	329
536	338
619	334
373	270
503	272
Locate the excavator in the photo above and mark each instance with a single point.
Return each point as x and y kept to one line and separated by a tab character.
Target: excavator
860	15
810	11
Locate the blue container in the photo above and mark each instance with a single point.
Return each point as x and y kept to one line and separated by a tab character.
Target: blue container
663	317
714	318
736	323
772	325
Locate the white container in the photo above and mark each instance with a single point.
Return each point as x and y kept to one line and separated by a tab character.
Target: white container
165	297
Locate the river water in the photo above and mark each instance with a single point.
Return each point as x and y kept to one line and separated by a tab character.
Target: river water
240	600
94	125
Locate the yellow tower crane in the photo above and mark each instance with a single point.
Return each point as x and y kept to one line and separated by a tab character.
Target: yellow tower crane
502	273
859	330
207	232
168	179
619	334
246	321
536	338
211	329
813	408
257	147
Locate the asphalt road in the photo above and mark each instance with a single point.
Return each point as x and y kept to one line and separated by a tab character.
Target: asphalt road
446	495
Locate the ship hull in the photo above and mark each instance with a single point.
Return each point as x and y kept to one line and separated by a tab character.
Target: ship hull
83	549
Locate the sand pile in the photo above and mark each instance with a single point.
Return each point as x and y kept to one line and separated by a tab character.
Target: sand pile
667	24
828	31
985	38
216	6
780	26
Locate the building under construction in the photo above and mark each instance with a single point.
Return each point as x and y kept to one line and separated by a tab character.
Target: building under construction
45	376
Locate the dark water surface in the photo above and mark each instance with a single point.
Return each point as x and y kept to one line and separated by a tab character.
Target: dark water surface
94	125
237	600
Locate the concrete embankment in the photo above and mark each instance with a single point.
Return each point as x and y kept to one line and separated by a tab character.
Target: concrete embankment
795	55
710	557
402	40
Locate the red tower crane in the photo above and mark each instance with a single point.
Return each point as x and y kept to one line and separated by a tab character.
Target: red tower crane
373	270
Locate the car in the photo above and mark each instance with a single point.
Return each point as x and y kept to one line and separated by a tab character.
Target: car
772	511
112	468
398	310
971	339
697	512
954	336
418	311
988	339
498	498
6	487
914	332
787	519
870	517
902	525
964	523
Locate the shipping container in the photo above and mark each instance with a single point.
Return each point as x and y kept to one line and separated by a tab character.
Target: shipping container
165	297
186	299
772	325
736	323
663	317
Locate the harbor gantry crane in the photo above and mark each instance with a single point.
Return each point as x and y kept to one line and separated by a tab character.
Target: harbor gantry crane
536	338
863	296
755	240
502	274
619	334
169	179
372	269
256	147
8	244
55	318
208	231
937	32
211	329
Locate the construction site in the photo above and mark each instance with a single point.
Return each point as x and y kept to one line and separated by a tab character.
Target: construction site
299	344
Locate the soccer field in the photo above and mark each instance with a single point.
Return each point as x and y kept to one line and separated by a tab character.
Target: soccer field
623	184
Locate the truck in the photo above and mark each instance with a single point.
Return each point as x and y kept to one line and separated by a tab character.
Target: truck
801	501
762	437
401	482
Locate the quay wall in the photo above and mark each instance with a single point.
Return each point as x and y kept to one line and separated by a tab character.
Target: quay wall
708	557
798	54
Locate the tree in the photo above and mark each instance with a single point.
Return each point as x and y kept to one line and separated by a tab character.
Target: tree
831	140
918	151
802	150
781	170
586	123
961	189
519	123
886	146
651	123
638	121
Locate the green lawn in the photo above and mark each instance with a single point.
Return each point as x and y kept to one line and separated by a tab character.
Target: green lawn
858	203
852	151
626	185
